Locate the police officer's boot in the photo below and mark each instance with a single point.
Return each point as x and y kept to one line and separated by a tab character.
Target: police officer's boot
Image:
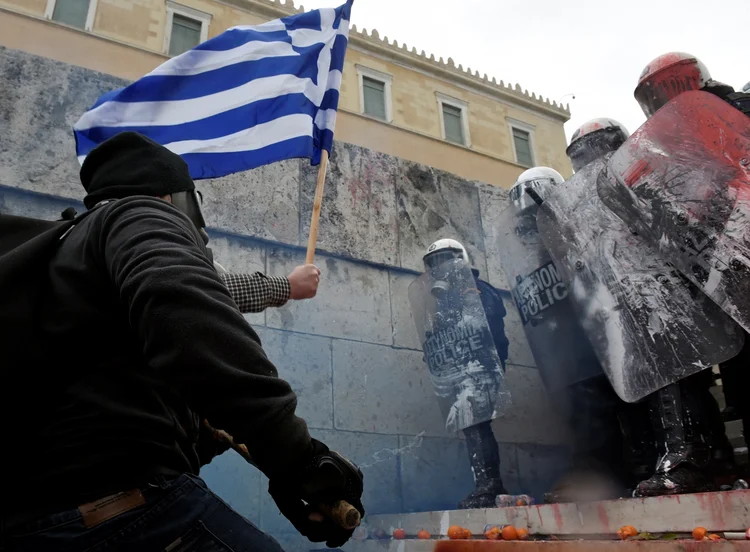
680	434
640	447
484	457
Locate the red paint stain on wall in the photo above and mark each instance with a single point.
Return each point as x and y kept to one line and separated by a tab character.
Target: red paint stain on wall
603	518
558	516
539	513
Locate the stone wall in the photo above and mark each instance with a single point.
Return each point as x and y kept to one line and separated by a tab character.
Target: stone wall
352	353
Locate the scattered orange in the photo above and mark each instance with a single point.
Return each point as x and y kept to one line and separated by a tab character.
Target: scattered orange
510	533
627	531
455	532
523	534
399	534
467	534
714	537
493	533
699	533
424	535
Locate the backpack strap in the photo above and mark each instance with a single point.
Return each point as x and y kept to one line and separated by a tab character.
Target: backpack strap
78	218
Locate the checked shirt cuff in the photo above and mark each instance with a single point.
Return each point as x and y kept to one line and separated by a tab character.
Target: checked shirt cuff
256	292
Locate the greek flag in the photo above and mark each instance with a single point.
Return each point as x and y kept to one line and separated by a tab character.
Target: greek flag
248	97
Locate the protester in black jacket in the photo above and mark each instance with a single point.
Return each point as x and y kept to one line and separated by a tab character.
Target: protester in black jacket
152	343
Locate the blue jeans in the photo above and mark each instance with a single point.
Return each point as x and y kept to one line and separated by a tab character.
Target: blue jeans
181	515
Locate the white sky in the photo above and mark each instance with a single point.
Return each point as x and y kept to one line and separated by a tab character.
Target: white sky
595	49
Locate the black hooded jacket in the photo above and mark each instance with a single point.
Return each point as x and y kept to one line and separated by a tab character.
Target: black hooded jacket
143	339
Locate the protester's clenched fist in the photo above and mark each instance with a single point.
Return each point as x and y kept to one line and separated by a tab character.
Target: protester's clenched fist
304	281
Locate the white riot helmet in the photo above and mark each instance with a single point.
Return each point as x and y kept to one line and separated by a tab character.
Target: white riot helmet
540	180
444	250
594	139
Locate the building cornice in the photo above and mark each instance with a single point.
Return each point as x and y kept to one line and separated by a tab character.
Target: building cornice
409	56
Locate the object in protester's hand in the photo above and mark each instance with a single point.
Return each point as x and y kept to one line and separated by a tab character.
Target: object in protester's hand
627	531
493	533
399	534
455	532
423	535
699	533
510	533
341	512
523	534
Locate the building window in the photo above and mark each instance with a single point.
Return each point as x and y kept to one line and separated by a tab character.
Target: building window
522	135
186	28
76	13
454	119
375	93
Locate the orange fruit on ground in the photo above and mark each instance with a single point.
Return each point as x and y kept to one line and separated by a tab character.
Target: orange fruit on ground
627	531
455	532
493	533
699	533
424	535
399	534
467	534
523	534
510	533
714	537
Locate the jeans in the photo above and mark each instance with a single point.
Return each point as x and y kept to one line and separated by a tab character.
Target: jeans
181	515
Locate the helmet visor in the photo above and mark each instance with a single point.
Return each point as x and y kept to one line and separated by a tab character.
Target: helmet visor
593	146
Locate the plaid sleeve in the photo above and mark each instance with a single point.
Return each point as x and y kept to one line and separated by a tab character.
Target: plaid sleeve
256	292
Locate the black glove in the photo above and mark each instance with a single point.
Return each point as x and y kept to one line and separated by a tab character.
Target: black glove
323	480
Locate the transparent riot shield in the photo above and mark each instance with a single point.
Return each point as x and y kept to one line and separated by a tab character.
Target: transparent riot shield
560	347
648	324
682	181
458	346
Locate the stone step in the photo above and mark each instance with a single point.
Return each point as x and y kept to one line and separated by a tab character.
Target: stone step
548	546
717	512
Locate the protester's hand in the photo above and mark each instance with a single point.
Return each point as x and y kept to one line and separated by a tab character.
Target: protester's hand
304	281
323	480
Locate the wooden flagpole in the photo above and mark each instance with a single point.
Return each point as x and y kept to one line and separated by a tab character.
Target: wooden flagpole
313	238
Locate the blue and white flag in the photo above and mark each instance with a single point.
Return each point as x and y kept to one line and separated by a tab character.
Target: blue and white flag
248	97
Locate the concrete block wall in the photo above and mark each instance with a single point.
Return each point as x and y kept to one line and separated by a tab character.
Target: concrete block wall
352	353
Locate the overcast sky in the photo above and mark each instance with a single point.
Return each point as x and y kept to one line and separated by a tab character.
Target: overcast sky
595	49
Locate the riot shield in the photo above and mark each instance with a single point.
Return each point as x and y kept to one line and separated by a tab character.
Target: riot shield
458	346
560	347
648	324
682	181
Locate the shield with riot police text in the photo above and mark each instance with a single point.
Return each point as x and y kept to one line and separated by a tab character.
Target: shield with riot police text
648	324
560	347
682	181
458	347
